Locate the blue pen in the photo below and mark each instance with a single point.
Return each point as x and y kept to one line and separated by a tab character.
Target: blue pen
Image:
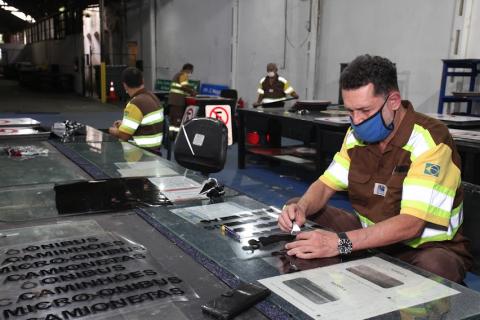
230	232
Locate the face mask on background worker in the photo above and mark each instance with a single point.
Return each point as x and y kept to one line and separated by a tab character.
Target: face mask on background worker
271	74
372	129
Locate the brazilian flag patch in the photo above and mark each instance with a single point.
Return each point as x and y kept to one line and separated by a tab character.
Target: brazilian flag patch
432	169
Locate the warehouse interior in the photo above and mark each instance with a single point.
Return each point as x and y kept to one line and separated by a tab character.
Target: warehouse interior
69	174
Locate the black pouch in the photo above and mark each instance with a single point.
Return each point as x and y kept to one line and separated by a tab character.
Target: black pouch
233	302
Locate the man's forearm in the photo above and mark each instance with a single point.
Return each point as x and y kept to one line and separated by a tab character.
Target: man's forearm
316	197
396	229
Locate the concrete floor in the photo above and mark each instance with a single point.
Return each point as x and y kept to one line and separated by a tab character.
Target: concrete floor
49	107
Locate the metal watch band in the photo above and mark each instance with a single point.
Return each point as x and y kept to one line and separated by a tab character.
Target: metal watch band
344	244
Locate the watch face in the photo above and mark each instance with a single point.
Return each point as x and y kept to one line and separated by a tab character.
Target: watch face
344	246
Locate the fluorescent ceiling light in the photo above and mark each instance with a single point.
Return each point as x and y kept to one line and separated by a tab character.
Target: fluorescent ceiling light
25	17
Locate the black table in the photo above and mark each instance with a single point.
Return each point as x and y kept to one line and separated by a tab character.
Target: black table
324	136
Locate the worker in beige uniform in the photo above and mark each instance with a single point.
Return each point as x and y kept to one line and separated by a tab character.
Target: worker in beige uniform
402	173
273	88
179	89
142	121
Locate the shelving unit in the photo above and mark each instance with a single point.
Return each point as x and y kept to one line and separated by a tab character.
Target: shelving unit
450	69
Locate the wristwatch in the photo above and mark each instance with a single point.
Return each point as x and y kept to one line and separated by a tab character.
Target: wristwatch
344	244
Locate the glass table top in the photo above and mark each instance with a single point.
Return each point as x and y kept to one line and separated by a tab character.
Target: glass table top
49	167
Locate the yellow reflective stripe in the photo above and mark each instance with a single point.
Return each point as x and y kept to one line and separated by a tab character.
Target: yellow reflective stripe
420	141
130	123
289	90
364	220
331	181
148	140
282	79
153	117
260	91
268	100
184	83
126	130
178	91
430	234
429	184
351	141
429	209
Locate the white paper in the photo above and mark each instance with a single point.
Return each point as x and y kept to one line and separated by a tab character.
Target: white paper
179	188
209	212
357	289
465	134
341	119
293	159
452	117
144	169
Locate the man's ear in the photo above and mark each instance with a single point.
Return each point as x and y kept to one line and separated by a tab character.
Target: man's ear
395	100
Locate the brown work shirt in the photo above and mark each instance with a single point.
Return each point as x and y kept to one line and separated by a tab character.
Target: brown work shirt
417	174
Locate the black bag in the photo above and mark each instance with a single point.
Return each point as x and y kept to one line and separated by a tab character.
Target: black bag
201	145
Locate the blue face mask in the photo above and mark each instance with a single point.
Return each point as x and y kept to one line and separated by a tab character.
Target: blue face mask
372	129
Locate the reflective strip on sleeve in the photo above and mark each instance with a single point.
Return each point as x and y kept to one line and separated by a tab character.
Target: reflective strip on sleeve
420	141
427	199
148	141
129	124
268	100
261	80
153	117
184	83
289	90
351	141
260	91
430	234
282	79
337	173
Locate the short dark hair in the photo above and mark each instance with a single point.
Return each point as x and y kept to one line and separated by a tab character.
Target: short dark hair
132	77
187	66
366	69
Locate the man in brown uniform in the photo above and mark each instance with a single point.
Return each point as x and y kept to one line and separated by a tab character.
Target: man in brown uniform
179	89
402	173
143	116
273	88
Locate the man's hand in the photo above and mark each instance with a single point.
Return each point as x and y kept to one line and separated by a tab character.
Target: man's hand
117	123
256	104
291	212
314	244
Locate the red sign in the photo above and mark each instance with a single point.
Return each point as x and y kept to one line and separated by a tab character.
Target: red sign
219	113
7	130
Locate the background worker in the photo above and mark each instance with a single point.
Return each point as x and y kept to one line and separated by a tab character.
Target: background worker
402	173
273	88
179	89
143	115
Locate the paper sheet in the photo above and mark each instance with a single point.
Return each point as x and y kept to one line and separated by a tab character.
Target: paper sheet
144	169
209	212
347	290
179	188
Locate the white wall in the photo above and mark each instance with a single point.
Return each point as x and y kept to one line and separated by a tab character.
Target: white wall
198	32
266	34
413	34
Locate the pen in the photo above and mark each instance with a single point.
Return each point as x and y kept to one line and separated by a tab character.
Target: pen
229	232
